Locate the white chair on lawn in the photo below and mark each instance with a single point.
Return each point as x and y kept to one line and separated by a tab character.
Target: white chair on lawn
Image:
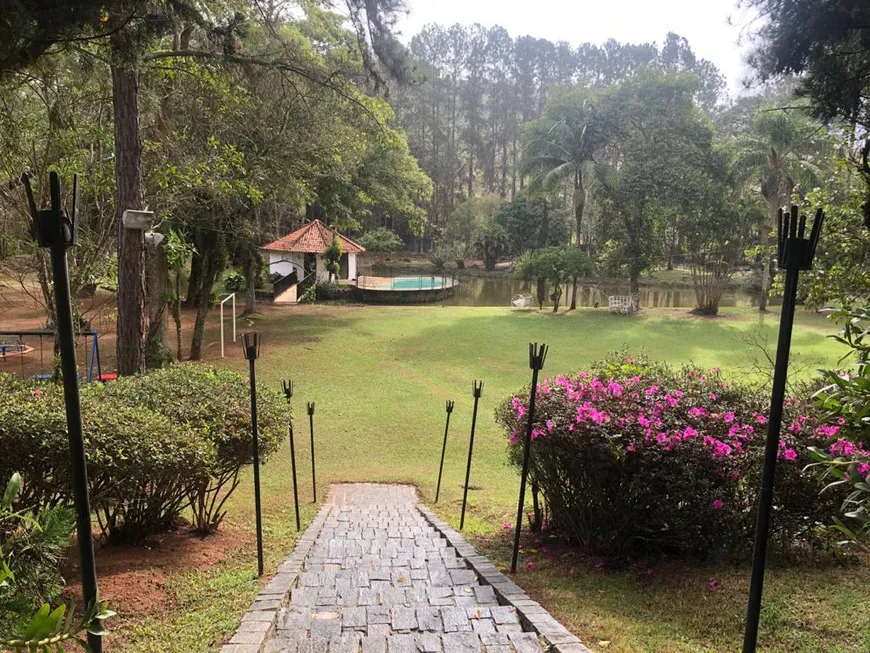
522	302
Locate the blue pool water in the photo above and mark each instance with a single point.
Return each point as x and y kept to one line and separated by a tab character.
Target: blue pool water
415	283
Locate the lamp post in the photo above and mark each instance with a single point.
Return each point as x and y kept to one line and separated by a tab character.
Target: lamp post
288	392
449	408
311	429
795	253
252	353
57	232
537	356
476	389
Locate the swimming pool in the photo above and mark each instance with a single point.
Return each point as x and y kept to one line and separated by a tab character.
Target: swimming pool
412	283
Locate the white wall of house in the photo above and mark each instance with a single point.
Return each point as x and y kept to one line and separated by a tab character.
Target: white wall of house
351	265
285	262
322	274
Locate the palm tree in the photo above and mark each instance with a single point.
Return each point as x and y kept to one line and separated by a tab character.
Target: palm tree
561	146
784	149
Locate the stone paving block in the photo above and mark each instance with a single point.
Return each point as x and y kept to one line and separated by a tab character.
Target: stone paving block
461	643
374	644
400	644
525	642
403	619
428	643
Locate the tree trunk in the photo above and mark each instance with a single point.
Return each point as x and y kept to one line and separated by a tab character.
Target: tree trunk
544	235
579	205
209	277
194	282
128	195
157	354
573	294
176	316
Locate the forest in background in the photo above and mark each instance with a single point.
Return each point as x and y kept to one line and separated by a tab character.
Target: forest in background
237	123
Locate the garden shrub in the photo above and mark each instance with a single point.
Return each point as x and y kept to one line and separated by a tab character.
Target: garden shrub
333	291
156	444
639	459
381	240
142	467
216	405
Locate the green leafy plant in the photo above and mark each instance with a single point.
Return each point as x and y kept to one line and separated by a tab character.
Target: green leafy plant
845	402
48	628
332	257
636	459
438	257
381	240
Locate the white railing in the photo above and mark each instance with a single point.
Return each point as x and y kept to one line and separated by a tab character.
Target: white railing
224	301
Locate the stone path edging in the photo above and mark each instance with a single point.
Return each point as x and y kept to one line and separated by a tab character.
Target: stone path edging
260	621
532	614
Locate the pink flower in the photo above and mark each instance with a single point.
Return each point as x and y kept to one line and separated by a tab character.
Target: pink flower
545	549
598	565
550	425
650	391
572	571
735	474
530	565
714	370
712	396
615	389
718	504
507	525
630	447
761	419
697	411
37	392
713	584
513	438
729	417
790	455
671	400
661	438
863	469
689	433
538	433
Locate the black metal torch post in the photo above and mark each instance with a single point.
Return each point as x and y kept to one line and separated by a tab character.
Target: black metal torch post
252	352
795	253
311	428
476	388
537	356
449	406
57	232
288	392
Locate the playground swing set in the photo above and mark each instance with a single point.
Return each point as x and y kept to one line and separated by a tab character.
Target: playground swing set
18	346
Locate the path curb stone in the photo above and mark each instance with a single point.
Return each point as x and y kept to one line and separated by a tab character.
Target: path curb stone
532	614
259	622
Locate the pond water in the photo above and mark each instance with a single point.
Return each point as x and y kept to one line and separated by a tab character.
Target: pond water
498	291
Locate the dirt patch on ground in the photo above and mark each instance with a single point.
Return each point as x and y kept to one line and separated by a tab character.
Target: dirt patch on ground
133	577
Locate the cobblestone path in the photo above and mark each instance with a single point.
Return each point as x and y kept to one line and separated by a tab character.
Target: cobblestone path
380	579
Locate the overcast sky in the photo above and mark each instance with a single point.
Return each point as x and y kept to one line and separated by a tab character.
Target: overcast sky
705	23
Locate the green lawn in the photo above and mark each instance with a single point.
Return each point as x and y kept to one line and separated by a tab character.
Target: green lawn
379	377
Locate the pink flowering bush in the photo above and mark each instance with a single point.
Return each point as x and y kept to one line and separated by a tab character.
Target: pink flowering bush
636	458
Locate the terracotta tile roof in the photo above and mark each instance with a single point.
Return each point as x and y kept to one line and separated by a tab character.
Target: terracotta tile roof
313	238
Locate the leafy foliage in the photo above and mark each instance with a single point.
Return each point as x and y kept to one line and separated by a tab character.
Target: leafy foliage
491	242
381	240
189	427
845	402
637	459
30	553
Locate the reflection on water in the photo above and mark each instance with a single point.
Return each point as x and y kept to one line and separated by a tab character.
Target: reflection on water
498	291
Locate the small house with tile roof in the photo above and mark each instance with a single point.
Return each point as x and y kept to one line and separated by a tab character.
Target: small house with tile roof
301	252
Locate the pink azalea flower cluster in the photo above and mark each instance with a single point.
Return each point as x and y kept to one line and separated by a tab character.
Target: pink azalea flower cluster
637	413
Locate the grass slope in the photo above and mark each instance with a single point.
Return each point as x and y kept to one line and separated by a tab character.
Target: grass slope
379	377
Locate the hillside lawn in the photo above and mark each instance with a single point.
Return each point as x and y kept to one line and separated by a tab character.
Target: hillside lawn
380	376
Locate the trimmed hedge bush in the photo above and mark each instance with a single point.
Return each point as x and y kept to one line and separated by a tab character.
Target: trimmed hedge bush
639	459
156	444
216	405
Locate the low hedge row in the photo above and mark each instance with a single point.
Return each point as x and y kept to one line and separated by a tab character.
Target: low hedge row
156	445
